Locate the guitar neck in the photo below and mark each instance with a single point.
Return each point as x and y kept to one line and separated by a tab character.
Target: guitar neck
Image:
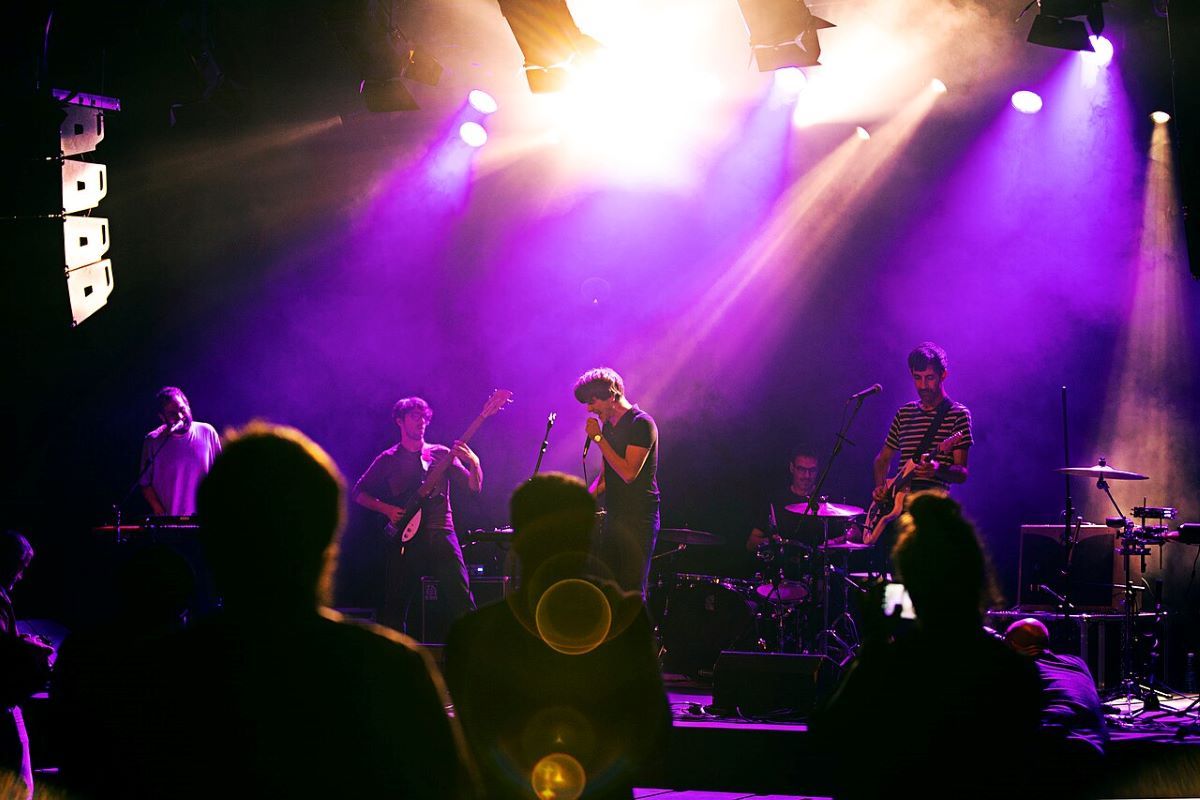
435	474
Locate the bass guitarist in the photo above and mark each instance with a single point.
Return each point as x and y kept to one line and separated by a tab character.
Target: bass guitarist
919	427
393	477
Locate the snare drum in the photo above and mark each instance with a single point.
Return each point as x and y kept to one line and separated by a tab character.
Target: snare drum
705	614
786	591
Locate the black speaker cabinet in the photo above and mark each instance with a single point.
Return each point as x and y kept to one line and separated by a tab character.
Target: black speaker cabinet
1094	568
769	684
434	622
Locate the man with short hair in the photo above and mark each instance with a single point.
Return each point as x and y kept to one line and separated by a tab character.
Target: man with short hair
394	477
176	456
776	519
910	433
627	437
276	695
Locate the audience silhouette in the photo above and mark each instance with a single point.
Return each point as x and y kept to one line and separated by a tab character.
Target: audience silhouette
557	687
275	695
934	711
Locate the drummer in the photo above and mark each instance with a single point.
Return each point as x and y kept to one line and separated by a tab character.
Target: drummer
777	521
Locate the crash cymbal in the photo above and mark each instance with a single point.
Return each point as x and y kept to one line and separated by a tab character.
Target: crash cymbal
825	510
1102	470
685	536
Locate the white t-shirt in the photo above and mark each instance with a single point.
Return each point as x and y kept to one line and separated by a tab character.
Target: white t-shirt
181	462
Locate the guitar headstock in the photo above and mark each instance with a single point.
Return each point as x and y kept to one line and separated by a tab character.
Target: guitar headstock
499	399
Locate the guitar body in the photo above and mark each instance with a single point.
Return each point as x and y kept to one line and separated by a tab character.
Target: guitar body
881	513
405	528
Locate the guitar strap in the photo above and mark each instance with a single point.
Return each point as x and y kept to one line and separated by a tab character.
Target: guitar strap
934	426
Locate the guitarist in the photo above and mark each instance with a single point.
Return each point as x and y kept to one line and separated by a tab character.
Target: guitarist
386	486
919	426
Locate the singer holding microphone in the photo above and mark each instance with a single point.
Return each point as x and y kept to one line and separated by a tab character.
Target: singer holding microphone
176	455
920	425
628	440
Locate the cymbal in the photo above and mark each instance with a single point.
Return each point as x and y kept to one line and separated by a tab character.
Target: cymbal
1104	471
845	546
685	536
825	510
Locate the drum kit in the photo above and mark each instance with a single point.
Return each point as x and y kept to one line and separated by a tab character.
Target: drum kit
775	611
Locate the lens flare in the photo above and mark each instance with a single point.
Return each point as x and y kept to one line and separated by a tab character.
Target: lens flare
1026	102
1160	117
558	776
790	80
473	134
482	102
1102	56
573	617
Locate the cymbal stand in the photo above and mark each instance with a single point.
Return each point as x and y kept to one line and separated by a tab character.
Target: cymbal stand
834	629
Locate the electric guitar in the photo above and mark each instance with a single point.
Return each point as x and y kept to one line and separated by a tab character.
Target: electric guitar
878	515
409	522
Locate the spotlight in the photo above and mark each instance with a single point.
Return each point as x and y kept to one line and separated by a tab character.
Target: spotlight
937	86
549	39
1103	54
482	102
1160	117
790	80
1026	102
473	134
783	33
1054	26
862	133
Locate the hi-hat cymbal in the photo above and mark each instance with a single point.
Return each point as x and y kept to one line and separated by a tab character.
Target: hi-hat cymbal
685	536
844	545
1104	471
825	510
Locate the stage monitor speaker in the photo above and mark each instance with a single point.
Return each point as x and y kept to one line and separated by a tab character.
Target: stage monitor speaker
435	623
769	684
1094	570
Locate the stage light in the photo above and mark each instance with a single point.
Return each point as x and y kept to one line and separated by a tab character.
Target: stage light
549	39
482	102
790	80
783	33
473	134
1054	25
937	86
1101	54
1160	117
862	133
1026	102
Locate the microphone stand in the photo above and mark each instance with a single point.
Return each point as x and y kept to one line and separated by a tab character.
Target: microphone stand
839	440
1068	538
545	443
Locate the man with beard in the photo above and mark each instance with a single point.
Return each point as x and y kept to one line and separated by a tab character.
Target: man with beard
176	455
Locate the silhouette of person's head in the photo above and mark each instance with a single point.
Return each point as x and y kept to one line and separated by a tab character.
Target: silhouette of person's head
942	563
270	512
15	554
1028	637
552	515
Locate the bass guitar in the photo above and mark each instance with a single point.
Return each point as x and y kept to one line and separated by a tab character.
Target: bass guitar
883	512
406	525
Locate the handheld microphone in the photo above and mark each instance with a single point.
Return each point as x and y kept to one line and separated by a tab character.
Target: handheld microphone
587	445
870	390
177	425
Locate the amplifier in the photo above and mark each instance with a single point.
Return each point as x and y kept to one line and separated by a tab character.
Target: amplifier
1095	569
434	622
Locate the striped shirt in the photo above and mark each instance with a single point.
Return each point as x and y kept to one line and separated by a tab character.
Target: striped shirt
909	427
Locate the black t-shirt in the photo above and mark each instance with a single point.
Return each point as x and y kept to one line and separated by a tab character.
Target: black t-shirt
395	475
792	526
637	500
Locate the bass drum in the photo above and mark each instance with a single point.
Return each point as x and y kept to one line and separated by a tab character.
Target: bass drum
705	615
